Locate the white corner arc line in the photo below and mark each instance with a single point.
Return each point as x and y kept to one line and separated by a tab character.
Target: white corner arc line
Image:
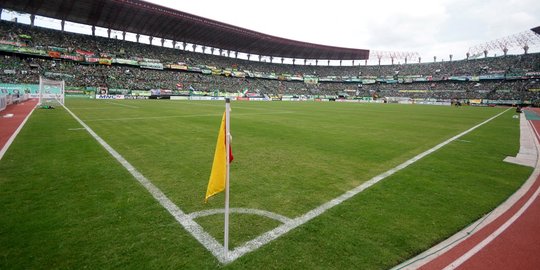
191	226
282	229
14	135
264	213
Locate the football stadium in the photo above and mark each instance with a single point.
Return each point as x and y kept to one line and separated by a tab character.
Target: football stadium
109	158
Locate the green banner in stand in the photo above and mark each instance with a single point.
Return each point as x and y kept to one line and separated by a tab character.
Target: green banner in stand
8	88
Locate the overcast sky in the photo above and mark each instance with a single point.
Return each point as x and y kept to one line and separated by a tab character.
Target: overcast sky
431	28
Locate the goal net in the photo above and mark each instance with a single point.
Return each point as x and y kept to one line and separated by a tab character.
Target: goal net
51	92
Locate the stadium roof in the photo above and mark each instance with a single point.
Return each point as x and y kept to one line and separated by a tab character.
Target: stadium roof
536	30
158	21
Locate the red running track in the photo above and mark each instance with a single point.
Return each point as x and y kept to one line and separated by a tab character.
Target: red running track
517	247
8	125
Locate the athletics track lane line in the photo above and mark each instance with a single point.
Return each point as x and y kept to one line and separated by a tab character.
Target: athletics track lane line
511	241
10	126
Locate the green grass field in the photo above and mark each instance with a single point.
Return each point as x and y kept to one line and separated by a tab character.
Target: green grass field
68	204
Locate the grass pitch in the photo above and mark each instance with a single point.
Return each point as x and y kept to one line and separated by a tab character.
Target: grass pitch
69	204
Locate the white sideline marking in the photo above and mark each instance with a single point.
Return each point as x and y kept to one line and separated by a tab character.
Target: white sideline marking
282	229
123	105
459	261
204	213
427	256
12	138
191	226
212	244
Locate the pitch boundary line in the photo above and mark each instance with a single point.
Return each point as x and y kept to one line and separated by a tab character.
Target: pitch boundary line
478	247
439	249
271	235
211	244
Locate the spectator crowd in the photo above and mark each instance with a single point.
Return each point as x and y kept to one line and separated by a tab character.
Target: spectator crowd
20	68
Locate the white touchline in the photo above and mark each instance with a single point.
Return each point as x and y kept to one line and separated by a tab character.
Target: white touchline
212	244
459	261
282	229
191	226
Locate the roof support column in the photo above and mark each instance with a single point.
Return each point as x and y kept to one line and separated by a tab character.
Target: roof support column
184	45
162	42
93	30
293	61
32	19
174	44
109	33
150	39
123	35
62	24
305	60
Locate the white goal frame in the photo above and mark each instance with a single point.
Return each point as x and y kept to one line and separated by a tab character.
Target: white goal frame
51	91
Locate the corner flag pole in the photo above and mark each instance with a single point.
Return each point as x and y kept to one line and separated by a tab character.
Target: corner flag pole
227	147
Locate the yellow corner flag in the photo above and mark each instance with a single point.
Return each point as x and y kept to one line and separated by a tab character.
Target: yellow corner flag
216	184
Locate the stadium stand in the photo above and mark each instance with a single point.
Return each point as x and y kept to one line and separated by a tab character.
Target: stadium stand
89	62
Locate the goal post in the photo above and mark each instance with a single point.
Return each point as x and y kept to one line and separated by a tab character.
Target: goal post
51	92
